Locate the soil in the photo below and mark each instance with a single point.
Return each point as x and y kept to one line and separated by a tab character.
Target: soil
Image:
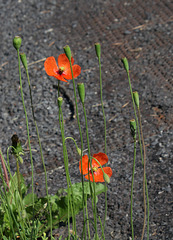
139	30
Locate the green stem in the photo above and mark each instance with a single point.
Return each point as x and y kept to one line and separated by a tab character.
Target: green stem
102	228
99	164
104	117
140	142
133	174
73	141
27	125
81	139
18	177
87	219
148	210
101	98
58	88
90	162
144	179
8	161
41	152
70	201
4	199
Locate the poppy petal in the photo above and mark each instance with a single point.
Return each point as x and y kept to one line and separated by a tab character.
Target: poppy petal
101	157
50	66
64	62
59	77
76	71
84	164
98	175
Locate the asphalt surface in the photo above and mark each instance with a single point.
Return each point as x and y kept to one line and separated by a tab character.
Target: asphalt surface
139	30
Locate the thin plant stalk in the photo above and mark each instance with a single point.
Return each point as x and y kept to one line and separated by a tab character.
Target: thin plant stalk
27	125
9	211
102	228
148	209
81	139
131	198
90	162
101	99
41	151
87	219
144	180
140	142
8	161
61	121
5	171
68	191
18	177
98	47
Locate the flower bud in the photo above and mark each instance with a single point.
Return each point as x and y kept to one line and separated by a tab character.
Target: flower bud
98	50
133	127
60	101
81	91
106	178
136	98
126	64
67	51
79	151
17	41
17	147
24	60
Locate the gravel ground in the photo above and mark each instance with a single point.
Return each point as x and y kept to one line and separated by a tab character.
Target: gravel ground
139	30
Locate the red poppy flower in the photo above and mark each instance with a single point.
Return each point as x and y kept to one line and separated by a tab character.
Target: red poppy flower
63	70
98	174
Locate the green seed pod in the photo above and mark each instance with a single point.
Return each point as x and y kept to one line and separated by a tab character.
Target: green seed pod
17	41
24	60
126	64
98	50
81	91
67	51
60	101
136	98
133	127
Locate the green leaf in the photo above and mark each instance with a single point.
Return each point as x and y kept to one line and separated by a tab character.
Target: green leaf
27	201
60	205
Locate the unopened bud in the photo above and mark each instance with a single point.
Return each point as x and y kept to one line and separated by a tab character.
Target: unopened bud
81	91
17	41
67	51
24	60
136	98
106	178
79	151
126	64
133	127
98	50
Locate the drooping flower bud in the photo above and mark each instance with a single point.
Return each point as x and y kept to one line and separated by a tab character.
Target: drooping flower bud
60	101
79	151
98	50
67	51
136	98
106	178
126	64
17	41
24	60
81	91
133	127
